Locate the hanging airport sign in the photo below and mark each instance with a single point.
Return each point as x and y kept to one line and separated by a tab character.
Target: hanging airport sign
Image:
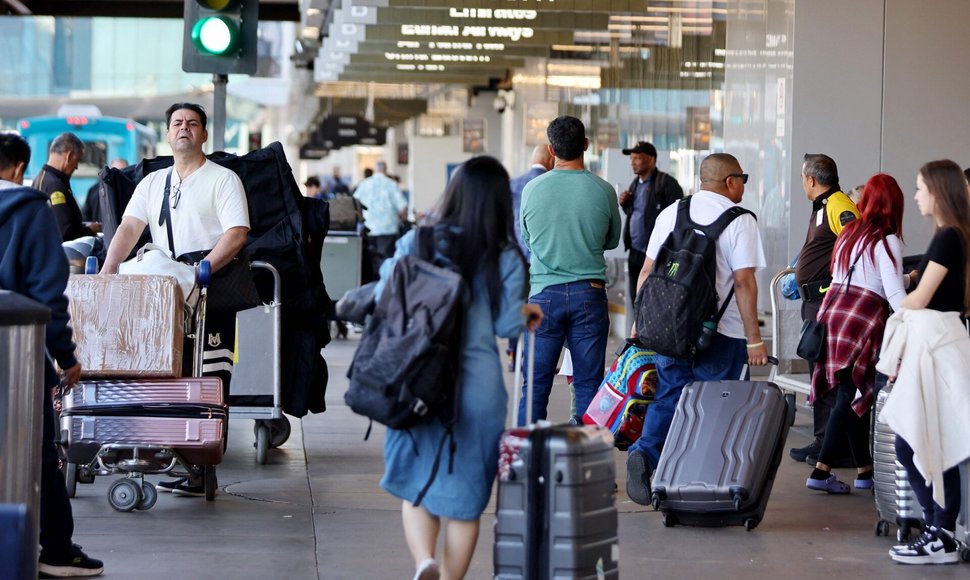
605	6
470	33
544	20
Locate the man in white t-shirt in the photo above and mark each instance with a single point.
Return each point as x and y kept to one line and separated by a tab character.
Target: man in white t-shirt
738	338
207	201
209	211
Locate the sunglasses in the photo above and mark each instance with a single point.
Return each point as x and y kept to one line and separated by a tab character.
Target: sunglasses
742	176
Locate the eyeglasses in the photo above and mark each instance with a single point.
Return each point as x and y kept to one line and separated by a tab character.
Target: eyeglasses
742	176
176	194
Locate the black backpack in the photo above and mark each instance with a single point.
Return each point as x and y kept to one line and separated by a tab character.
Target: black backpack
405	370
680	295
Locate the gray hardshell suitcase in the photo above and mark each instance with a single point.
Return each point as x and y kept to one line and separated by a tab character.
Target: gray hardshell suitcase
895	500
555	514
722	452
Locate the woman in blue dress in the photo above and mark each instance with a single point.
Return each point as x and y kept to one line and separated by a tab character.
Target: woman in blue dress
478	201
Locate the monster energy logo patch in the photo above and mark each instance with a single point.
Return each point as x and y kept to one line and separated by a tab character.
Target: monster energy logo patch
672	269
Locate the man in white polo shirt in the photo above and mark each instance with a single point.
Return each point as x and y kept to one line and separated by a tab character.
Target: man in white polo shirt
738	338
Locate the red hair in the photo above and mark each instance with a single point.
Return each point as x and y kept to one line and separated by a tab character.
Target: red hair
881	209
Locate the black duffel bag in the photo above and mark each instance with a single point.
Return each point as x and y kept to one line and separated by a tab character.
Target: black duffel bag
232	288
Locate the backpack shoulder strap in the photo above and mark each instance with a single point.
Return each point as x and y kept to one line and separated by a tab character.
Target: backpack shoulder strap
714	229
683	221
424	243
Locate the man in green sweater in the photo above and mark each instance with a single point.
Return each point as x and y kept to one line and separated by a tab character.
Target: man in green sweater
569	217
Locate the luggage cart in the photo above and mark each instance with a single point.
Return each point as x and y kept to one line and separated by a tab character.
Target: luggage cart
341	263
256	370
135	460
790	373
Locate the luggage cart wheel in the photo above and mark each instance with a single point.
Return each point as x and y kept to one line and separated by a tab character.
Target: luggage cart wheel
262	442
279	431
149	495
124	494
750	524
210	482
882	528
70	478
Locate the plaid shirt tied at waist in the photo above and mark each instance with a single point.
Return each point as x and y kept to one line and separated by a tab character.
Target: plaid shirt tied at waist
854	319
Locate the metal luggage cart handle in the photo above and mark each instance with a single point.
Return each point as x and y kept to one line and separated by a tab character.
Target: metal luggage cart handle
276	278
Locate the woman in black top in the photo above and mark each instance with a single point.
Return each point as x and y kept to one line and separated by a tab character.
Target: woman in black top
943	194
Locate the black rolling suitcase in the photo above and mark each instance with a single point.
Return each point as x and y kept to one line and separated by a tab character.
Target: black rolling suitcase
555	515
722	453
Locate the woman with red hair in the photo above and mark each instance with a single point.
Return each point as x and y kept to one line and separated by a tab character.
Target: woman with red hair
867	263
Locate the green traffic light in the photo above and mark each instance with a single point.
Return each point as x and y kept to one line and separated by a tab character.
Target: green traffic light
215	35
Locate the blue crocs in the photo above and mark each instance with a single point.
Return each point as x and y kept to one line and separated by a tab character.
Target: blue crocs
830	485
864	484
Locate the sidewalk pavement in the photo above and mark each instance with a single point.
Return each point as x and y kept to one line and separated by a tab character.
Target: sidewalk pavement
315	511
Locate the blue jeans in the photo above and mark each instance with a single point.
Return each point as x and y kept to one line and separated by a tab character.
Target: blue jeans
723	360
575	314
942	516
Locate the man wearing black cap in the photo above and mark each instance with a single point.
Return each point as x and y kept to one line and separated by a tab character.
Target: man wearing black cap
651	191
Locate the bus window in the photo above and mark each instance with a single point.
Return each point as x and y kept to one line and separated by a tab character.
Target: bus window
95	157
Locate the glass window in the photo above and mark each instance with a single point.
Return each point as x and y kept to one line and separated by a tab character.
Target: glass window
95	157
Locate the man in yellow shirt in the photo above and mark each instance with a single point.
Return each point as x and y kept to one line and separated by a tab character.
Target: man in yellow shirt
831	211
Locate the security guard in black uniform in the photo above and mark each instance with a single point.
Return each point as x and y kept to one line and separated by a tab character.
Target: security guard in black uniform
54	179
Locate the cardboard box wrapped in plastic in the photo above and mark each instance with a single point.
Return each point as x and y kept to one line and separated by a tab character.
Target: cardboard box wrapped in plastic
127	326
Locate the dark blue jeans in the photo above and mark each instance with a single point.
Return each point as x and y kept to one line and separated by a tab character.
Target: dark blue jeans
723	360
575	314
934	514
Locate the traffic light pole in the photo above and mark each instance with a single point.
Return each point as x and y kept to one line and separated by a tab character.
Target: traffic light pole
219	112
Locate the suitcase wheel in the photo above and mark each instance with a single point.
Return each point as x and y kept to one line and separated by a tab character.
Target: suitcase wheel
124	495
882	528
751	523
668	520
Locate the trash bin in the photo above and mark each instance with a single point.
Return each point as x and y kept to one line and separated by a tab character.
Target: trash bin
22	331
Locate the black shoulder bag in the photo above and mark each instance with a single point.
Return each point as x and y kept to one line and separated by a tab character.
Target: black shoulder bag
811	344
232	288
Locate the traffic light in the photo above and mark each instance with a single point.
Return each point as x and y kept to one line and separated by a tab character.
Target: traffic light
220	36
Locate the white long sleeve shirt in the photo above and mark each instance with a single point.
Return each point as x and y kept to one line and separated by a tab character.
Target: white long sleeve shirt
884	275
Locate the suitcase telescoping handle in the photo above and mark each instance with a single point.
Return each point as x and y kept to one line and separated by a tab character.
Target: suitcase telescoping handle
744	369
518	381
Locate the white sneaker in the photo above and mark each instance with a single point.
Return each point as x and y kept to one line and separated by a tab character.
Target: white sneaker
427	570
933	546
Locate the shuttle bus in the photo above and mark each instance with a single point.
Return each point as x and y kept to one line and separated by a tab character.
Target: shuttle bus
105	139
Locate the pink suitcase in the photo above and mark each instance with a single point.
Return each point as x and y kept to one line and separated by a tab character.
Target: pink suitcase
187	415
90	395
